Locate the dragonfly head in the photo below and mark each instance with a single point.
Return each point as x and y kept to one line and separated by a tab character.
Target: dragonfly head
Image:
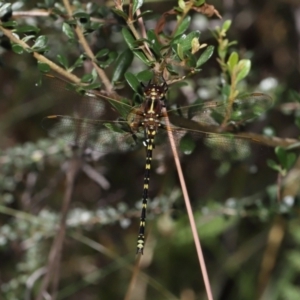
154	91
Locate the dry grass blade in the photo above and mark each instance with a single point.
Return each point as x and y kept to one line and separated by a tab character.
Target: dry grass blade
190	212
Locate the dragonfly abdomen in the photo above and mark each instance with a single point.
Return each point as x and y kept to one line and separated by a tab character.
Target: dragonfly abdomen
149	148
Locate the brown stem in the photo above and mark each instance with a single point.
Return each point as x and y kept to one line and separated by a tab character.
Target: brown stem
102	75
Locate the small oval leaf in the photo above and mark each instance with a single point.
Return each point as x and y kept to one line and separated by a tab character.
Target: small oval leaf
232	61
63	60
17	48
43	67
132	81
27	29
68	31
187	145
136	5
226	25
244	67
122	64
145	75
183	26
129	39
205	56
186	40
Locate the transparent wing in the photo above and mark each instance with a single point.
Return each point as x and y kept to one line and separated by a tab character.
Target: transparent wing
216	113
91	104
209	120
85	126
104	136
215	122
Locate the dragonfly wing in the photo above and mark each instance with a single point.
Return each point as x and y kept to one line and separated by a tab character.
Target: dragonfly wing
224	145
104	136
71	99
250	106
221	140
243	108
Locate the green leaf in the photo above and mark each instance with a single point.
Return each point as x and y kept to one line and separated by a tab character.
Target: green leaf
40	44
232	61
205	56
27	29
133	81
93	86
142	57
68	31
273	165
122	64
153	42
187	145
78	63
183	26
286	159
199	2
145	75
9	24
291	159
281	155
102	53
136	5
190	60
82	16
181	4
5	10
17	48
244	67
28	38
63	61
120	13
226	25
43	67
186	40
87	78
112	55
129	39
180	52
225	91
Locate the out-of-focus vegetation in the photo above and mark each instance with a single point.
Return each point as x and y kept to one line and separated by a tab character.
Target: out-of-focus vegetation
246	204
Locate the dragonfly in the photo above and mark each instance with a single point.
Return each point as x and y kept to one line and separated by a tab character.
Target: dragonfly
109	124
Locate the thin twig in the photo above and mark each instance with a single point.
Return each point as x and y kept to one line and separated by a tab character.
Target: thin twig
189	209
136	271
95	176
275	238
143	31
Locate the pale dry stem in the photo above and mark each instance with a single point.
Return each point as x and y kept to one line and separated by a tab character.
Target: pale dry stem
189	210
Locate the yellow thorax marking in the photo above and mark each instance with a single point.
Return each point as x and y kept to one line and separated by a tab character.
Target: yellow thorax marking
151	109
